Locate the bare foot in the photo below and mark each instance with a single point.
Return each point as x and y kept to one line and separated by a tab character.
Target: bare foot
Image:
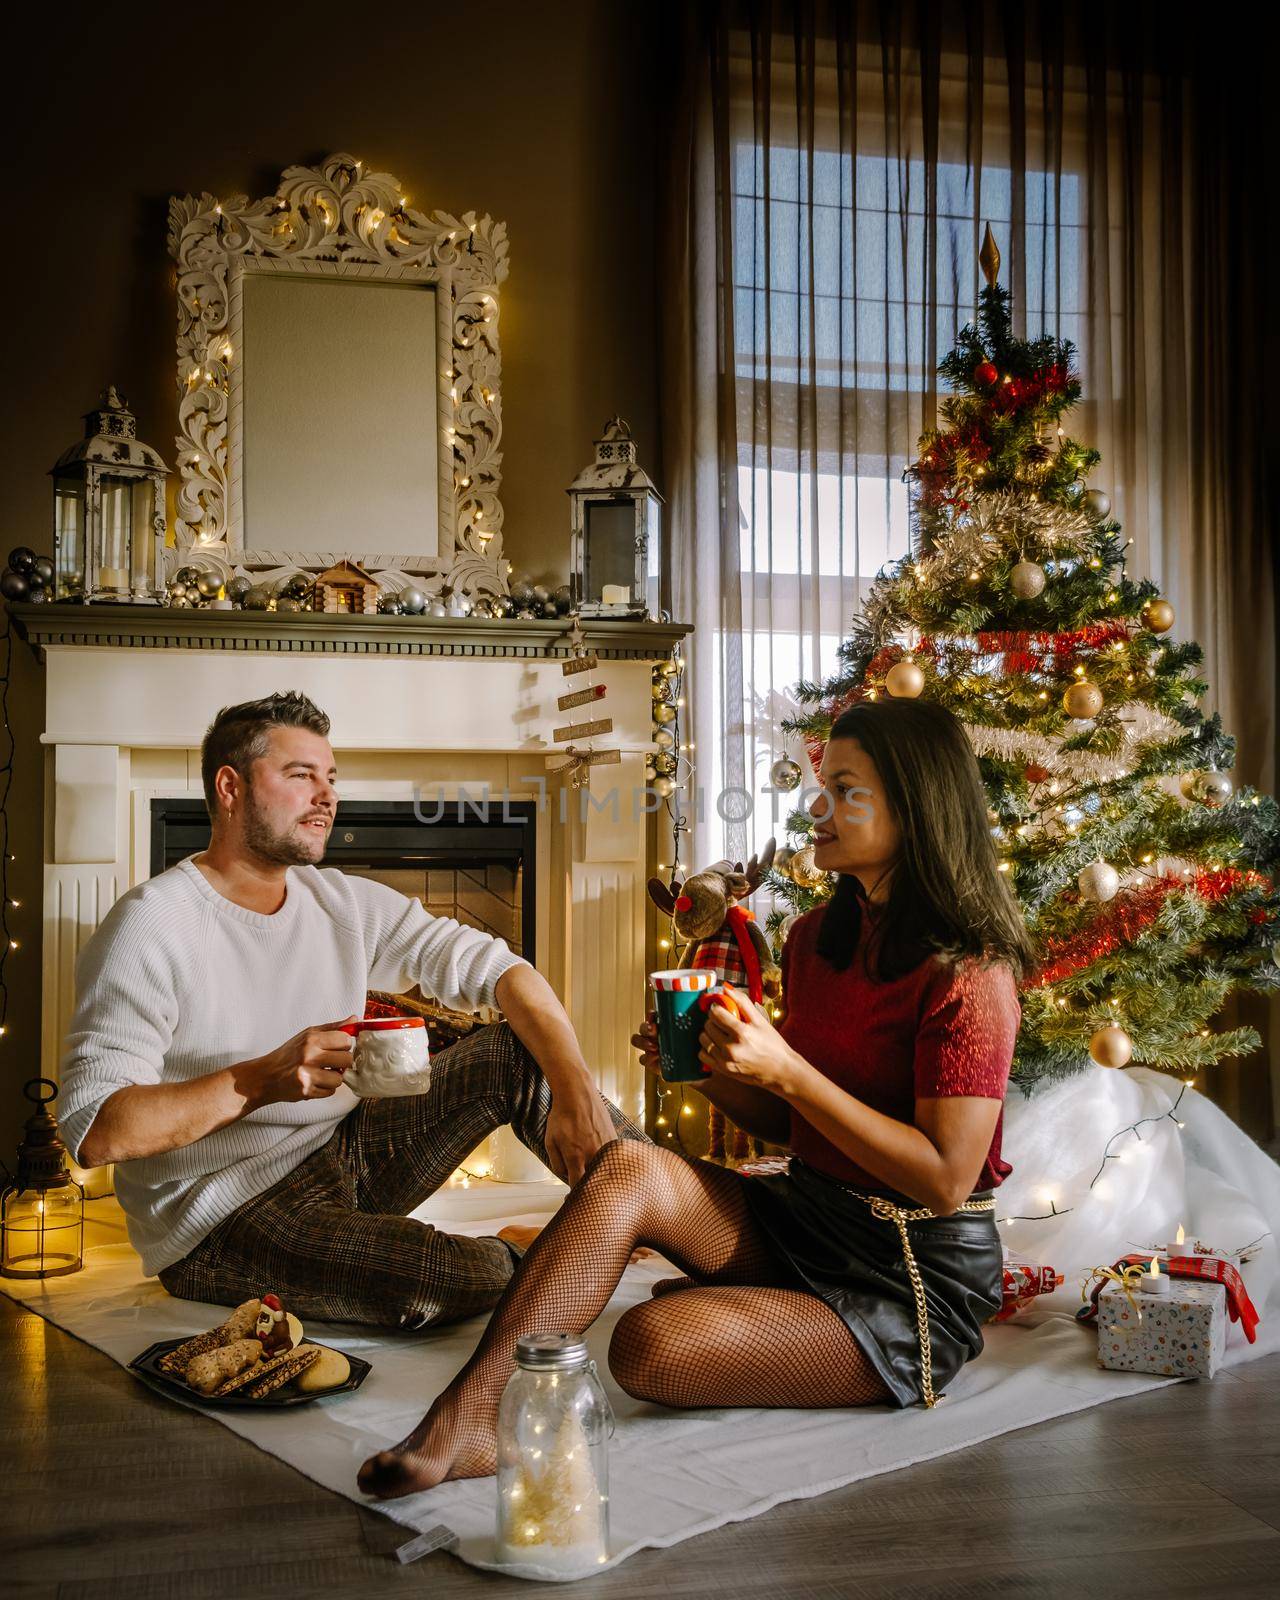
453	1440
671	1285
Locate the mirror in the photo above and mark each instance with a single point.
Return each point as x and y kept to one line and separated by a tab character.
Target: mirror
339	414
339	378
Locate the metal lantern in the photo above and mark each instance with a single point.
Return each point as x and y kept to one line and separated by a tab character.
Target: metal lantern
42	1210
617	531
108	500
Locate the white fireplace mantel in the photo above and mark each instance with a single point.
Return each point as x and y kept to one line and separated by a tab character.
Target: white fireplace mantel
430	708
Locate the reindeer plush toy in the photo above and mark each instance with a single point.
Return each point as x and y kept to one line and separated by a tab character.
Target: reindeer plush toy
716	930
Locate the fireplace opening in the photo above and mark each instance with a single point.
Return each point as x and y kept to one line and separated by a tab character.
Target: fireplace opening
474	865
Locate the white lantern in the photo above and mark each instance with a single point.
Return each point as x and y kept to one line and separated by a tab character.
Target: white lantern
108	497
617	531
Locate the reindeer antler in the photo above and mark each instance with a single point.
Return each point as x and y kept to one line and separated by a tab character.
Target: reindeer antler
758	865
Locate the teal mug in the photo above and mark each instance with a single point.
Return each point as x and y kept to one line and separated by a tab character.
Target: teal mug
681	1019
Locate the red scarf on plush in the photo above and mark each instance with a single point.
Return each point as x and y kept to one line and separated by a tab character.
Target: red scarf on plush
1214	1268
732	954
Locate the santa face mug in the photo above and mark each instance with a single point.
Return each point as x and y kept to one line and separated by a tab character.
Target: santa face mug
391	1057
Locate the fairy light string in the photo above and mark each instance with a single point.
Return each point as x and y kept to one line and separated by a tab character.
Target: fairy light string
671	1107
1108	1154
8	944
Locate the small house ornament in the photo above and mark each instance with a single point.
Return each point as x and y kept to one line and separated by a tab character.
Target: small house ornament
617	531
108	499
347	587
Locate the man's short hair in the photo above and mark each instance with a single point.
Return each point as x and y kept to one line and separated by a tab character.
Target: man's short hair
239	735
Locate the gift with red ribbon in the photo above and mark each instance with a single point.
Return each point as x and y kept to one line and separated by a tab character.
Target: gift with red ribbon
1212	1269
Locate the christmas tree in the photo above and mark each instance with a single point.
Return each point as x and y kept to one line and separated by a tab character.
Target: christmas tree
1146	877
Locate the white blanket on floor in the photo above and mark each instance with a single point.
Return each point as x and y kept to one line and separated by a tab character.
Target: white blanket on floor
677	1474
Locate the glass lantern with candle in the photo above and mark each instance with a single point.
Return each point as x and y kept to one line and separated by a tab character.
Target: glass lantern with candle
42	1210
617	532
554	1423
108	500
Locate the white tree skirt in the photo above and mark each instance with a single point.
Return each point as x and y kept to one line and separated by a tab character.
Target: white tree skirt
675	1474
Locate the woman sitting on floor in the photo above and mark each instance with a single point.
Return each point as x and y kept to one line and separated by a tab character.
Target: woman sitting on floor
863	1274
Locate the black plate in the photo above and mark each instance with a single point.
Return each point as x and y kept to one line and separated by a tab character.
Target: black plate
168	1383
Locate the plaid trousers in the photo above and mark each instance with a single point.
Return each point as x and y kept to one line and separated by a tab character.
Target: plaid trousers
333	1238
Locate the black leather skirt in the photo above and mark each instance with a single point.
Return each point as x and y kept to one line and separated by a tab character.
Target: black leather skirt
854	1261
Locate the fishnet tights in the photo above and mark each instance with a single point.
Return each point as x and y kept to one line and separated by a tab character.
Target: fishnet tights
737	1338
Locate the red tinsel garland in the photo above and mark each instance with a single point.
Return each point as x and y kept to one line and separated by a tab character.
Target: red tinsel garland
1128	916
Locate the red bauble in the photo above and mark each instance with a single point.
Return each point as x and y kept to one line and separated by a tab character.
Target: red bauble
985	373
1035	773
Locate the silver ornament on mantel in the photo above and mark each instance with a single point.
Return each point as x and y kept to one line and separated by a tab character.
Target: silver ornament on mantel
208	583
437	608
1096	504
1027	579
1098	882
785	775
412	600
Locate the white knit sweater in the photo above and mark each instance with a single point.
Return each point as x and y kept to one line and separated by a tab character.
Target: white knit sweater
179	982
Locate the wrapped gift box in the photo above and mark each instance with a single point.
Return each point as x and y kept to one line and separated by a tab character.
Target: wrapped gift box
1179	1335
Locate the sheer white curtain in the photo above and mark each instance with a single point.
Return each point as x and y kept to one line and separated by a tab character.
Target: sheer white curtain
833	168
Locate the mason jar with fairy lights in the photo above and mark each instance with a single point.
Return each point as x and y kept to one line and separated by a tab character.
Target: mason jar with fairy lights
554	1424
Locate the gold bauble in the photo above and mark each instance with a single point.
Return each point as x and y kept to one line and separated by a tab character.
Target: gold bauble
904	680
1214	789
1026	579
663	787
1158	615
1082	700
664	713
1111	1046
1188	783
805	873
1098	882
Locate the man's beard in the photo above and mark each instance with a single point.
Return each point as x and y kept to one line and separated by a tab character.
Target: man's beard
272	848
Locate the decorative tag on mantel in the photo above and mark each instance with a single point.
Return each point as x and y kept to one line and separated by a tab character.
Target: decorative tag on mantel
588	758
578	664
582	697
582	730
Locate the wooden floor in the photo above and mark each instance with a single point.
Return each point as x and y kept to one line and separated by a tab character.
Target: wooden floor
109	1493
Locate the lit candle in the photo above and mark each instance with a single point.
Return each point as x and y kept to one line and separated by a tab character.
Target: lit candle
113	578
615	594
1154	1281
1181	1246
221	603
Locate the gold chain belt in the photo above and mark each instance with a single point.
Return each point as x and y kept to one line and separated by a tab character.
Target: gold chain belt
888	1212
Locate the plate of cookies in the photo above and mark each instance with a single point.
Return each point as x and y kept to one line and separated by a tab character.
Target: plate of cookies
257	1357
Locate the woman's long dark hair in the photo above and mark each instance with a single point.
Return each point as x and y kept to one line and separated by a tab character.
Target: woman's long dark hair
946	896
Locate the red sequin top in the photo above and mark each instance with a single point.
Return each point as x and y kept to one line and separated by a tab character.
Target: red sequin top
942	1029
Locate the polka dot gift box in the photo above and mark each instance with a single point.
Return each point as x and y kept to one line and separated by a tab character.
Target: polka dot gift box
1179	1335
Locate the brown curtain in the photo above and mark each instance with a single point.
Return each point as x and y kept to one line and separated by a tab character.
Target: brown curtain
831	171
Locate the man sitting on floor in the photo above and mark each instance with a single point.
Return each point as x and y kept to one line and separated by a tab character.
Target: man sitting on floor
244	1163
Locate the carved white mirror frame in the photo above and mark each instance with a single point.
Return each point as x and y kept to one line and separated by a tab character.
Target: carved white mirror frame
339	221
